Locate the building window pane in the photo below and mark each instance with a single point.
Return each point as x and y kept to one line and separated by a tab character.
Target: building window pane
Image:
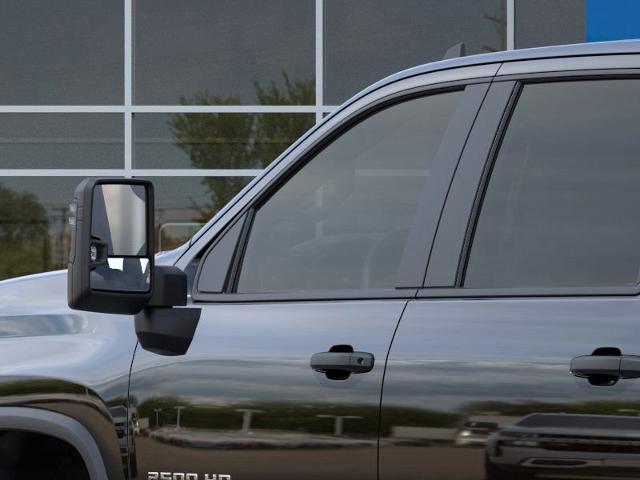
549	22
366	40
61	140
34	227
561	205
231	52
61	52
215	140
184	204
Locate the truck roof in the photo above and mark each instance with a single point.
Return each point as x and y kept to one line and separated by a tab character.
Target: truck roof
619	47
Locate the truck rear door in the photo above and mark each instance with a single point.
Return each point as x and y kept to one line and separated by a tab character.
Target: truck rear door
533	273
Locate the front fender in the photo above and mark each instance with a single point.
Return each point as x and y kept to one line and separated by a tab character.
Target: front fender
73	413
58	426
67	362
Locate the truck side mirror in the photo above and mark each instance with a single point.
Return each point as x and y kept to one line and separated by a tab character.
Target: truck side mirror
111	265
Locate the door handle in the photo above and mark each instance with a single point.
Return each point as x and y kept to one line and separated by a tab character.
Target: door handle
585	366
352	362
605	366
341	361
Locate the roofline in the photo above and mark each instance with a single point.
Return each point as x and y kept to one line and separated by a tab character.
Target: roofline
619	47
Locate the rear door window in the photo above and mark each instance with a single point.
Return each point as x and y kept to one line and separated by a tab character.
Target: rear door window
561	205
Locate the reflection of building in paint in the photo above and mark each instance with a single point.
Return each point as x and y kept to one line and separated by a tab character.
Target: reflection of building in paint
247	415
338	424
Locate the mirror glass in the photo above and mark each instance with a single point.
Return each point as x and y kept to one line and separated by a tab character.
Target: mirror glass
119	251
119	219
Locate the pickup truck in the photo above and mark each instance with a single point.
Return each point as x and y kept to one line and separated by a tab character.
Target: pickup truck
458	244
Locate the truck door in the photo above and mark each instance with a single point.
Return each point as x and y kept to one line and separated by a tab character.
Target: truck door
534	272
309	267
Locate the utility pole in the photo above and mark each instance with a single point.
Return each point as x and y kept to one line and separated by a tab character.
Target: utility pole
157	410
247	415
338	423
178	409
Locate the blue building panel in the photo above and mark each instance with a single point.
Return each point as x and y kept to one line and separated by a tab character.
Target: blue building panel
612	20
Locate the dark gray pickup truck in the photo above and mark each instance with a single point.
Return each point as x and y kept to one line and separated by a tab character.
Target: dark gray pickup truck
456	247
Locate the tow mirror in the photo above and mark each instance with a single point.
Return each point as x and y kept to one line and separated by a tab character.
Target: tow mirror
111	266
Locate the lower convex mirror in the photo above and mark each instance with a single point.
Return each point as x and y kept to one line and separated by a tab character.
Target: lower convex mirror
111	258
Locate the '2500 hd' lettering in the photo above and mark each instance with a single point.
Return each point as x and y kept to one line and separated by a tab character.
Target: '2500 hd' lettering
187	476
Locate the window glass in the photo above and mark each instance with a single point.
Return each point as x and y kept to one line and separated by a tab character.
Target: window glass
341	222
61	140
215	140
366	40
216	263
212	52
549	22
61	52
561	205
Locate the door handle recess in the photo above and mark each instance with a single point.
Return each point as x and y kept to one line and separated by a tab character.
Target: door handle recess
605	366
352	362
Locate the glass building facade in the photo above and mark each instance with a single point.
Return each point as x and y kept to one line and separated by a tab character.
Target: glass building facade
200	95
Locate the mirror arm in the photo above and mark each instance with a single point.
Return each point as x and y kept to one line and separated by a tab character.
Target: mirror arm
160	328
165	330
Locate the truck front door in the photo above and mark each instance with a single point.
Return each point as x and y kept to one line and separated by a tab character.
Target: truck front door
309	267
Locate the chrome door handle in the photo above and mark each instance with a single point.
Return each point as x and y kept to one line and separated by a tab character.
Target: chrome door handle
605	366
341	361
352	362
585	366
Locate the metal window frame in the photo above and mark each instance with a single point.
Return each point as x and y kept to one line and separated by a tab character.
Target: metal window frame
445	274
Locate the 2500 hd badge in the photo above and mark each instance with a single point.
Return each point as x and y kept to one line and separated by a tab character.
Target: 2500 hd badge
186	476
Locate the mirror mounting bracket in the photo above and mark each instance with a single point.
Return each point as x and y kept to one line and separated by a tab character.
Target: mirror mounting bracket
169	287
160	328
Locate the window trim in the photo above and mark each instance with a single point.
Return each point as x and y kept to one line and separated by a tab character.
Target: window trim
448	244
370	108
244	220
458	210
527	292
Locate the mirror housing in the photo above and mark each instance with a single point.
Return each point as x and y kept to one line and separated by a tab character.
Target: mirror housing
111	262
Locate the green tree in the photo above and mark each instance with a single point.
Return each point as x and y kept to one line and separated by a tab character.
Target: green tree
238	140
23	234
